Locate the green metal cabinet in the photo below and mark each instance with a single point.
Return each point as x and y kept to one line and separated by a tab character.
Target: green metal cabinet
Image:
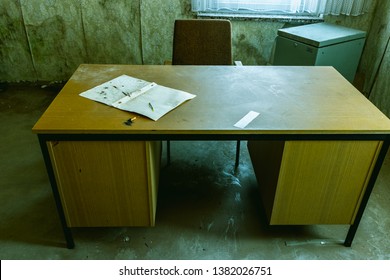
321	44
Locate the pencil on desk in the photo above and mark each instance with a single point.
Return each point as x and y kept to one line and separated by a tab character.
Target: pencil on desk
151	106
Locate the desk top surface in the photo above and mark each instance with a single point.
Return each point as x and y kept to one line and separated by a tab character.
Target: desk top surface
290	100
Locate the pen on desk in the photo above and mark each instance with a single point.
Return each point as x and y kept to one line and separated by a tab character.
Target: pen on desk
151	106
130	121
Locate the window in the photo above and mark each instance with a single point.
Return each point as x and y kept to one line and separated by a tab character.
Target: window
316	8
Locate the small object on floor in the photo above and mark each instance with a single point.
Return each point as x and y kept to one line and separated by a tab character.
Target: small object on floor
321	242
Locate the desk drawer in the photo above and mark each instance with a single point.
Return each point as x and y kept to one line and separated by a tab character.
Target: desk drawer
107	183
312	182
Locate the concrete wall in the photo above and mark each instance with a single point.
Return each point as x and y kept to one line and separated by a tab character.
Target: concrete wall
376	59
45	40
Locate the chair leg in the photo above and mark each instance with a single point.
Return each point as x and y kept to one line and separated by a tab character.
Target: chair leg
237	154
168	152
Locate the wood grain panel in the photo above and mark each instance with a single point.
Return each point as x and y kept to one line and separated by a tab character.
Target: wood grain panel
153	154
106	183
312	182
322	182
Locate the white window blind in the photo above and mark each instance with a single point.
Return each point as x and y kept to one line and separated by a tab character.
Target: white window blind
347	7
311	7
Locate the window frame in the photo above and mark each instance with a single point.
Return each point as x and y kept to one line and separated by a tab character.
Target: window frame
250	14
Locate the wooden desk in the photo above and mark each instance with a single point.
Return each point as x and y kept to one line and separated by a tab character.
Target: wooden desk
318	143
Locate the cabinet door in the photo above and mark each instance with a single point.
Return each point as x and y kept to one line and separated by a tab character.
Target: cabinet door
314	182
290	52
107	183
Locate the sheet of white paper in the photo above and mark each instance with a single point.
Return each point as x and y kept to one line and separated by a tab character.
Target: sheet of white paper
246	119
138	96
113	90
156	102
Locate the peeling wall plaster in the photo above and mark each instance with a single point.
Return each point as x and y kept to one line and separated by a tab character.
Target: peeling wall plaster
47	39
112	31
15	55
376	59
157	24
51	38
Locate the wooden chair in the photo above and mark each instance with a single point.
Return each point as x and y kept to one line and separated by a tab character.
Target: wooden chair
202	42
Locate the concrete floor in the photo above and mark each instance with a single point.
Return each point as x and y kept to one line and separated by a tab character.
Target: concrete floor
205	210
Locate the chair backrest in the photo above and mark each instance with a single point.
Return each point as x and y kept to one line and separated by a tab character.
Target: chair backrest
202	42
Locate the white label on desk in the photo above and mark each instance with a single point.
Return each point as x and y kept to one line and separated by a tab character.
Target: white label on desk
246	119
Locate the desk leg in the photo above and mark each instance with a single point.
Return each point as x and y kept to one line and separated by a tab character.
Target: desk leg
60	210
237	155
168	152
353	228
